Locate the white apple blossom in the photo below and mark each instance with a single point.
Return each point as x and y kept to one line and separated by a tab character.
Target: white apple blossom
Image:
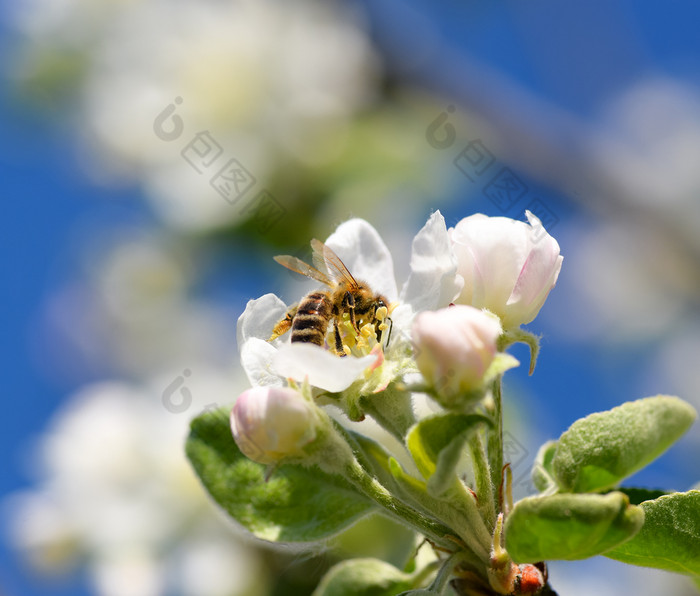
270	424
250	73
116	494
433	283
508	266
454	347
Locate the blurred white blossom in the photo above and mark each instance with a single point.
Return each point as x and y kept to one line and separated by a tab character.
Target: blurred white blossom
270	82
132	308
116	491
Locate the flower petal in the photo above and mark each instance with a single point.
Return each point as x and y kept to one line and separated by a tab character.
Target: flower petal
365	255
257	361
493	249
259	317
301	361
541	268
433	282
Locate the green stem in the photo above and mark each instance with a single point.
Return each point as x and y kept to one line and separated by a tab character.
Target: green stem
445	573
434	531
422	575
495	441
482	475
392	409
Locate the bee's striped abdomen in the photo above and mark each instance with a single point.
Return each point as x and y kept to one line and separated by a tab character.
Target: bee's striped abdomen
311	319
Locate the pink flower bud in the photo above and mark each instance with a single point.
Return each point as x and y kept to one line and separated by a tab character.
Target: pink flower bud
508	266
272	423
454	346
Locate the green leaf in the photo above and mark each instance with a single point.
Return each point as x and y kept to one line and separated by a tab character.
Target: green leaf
542	474
569	526
670	537
427	439
599	451
296	504
363	577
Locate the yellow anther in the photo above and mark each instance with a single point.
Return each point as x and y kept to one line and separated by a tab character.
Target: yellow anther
367	330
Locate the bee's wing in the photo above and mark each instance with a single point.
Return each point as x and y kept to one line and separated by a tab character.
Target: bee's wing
336	268
298	266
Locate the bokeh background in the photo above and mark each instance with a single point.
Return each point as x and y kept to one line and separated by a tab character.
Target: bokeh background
132	242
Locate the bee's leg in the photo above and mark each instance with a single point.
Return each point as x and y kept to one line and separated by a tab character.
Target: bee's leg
338	340
350	303
285	324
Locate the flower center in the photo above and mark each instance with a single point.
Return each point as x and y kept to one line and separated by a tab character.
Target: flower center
361	344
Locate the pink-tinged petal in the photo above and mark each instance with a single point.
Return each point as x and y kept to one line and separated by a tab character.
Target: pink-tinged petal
365	255
259	317
508	266
256	358
300	361
433	282
270	424
537	276
454	346
493	249
378	353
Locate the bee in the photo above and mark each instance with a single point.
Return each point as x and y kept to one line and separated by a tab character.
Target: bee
309	319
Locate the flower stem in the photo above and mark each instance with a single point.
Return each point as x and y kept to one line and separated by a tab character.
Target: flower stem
433	530
495	441
445	573
482	474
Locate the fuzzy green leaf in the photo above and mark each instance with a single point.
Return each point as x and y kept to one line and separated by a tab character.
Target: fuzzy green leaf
295	504
427	439
569	526
670	537
542	475
363	577
599	451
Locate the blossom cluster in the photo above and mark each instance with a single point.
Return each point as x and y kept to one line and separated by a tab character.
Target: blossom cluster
469	287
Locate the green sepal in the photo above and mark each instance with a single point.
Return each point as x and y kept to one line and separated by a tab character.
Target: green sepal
427	440
391	408
569	526
542	473
364	577
511	336
670	537
600	450
499	365
295	504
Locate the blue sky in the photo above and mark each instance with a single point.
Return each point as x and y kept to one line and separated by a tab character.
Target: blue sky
573	55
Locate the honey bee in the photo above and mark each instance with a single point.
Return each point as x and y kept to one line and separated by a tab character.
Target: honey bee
309	319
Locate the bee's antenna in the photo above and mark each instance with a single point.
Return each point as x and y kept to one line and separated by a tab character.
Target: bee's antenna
388	335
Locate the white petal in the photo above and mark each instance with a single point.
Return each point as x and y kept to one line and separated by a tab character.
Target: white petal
300	361
491	252
365	255
259	317
257	357
433	282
